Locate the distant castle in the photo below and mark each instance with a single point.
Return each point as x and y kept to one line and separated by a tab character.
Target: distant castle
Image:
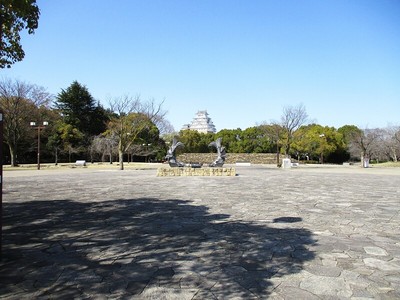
201	123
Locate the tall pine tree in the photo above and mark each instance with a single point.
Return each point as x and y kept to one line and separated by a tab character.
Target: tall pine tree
80	110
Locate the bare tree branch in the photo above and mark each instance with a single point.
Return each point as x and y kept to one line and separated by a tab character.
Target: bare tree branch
19	102
133	116
292	118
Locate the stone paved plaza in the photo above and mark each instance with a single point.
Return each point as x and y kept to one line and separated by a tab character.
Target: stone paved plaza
267	233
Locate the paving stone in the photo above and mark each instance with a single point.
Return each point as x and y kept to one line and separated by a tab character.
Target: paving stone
326	286
231	290
324	270
293	293
375	251
204	294
381	264
361	294
163	293
136	287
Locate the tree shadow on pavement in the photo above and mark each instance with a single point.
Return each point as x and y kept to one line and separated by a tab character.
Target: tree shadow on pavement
142	247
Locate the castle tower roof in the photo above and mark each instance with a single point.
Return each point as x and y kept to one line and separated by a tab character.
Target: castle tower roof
201	123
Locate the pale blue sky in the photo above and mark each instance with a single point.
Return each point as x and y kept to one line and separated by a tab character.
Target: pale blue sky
242	61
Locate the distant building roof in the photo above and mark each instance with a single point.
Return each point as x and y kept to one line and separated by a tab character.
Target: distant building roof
201	123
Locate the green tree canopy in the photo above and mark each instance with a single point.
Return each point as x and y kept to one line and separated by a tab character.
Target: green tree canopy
80	110
256	140
348	131
195	142
231	140
276	134
15	15
317	142
70	138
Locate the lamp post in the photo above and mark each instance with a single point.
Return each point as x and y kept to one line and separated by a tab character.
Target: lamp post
146	159
38	127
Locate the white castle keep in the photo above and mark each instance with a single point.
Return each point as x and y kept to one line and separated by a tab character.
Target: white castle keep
201	123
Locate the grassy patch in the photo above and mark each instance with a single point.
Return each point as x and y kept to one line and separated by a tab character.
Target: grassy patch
390	164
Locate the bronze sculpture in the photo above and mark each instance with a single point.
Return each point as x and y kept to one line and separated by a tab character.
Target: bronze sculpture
219	162
173	162
171	154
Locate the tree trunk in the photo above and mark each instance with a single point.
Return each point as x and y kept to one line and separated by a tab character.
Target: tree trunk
56	156
121	159
287	148
277	156
362	159
394	155
13	156
121	155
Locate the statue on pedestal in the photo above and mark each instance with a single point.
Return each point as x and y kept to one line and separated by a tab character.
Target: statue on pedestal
170	157
219	162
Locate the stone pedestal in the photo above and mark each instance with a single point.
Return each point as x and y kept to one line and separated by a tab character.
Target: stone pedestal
186	171
286	163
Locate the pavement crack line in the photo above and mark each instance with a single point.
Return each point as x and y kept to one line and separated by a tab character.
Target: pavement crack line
394	215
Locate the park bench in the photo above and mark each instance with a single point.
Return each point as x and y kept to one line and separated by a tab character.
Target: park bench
243	163
80	163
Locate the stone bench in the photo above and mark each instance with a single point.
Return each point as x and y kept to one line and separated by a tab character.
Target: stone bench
243	163
80	163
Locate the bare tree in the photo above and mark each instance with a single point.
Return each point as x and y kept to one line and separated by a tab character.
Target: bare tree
104	145
164	126
132	117
396	135
274	132
292	118
144	150
158	116
364	143
19	102
136	150
391	141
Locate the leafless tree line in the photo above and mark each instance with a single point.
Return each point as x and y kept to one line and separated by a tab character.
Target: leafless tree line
380	144
105	148
17	101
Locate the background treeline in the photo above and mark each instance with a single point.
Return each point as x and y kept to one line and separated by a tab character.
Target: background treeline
131	129
78	127
311	143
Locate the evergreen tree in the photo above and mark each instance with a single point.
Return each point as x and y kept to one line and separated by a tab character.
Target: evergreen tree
80	110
